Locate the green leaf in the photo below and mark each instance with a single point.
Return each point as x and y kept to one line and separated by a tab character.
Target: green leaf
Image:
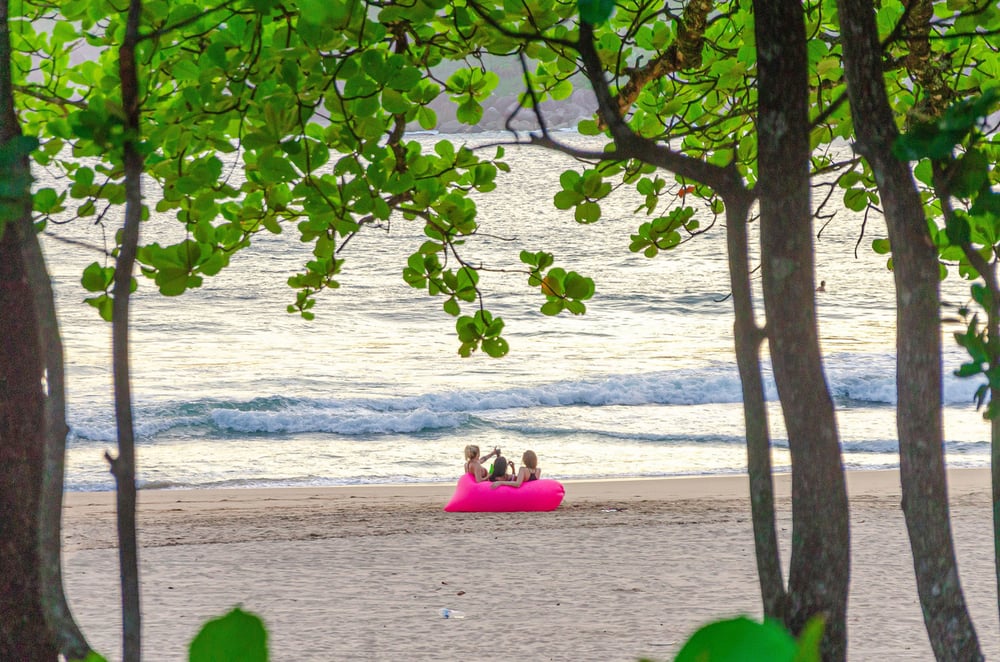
495	347
968	370
969	174
588	212
552	307
405	78
185	69
394	102
566	199
236	637
467	329
172	281
881	246
595	12
104	305
569	179
810	639
426	117
469	112
579	287
925	141
856	199
97	278
981	295
739	640
47	201
986	203
958	230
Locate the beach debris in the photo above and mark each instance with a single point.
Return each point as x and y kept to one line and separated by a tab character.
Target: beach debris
451	613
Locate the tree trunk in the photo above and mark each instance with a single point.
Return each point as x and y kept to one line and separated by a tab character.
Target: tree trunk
820	556
988	272
995	472
35	622
23	633
123	466
748	337
728	183
918	344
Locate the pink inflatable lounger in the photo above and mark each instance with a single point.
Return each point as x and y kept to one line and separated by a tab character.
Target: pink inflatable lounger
473	497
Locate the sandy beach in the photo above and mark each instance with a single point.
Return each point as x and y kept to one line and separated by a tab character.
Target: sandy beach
623	569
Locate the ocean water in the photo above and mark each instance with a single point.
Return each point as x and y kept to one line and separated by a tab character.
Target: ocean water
232	391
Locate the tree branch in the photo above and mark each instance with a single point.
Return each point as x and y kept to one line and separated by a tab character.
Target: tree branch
684	53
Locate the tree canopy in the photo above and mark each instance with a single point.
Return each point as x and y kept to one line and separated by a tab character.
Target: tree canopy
250	116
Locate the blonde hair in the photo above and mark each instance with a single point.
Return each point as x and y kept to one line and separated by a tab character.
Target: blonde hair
529	459
471	451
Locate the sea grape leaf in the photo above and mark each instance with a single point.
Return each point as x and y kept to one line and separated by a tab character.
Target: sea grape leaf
238	636
740	640
595	12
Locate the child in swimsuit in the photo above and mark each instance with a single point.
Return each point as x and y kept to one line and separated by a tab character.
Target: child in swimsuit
473	463
529	471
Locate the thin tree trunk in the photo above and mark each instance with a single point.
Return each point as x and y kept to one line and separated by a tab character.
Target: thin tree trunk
820	557
988	273
68	636
123	466
918	344
748	337
728	183
995	470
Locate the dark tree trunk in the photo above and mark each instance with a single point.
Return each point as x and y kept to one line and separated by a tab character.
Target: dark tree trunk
123	466
748	337
23	632
728	183
820	556
35	622
918	344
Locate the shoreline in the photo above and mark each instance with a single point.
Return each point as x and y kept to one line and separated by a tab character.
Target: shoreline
622	569
880	482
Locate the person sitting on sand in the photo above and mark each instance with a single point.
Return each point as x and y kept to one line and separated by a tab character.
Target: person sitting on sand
473	463
529	472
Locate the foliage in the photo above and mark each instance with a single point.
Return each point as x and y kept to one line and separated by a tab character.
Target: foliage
595	11
744	640
13	182
704	105
261	116
238	636
292	116
965	161
94	657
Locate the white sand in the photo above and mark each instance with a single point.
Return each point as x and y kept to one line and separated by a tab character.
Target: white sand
622	569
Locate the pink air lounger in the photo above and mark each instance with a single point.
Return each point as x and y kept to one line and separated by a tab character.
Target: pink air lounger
473	497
